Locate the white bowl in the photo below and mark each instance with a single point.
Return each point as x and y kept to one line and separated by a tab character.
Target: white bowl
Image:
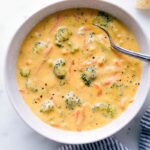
70	136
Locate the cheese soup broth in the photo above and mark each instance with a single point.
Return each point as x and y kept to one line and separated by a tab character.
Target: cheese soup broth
69	75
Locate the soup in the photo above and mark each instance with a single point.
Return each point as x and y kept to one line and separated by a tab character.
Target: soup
69	75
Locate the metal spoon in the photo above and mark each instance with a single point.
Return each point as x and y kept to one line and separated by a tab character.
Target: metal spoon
140	56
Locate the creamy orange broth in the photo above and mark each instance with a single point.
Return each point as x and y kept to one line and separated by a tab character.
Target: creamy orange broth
69	75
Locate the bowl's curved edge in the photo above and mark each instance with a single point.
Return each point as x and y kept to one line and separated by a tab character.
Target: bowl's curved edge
25	120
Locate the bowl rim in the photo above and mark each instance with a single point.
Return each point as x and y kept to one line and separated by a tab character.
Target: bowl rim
43	133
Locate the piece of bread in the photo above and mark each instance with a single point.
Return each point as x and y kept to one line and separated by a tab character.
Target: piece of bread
143	4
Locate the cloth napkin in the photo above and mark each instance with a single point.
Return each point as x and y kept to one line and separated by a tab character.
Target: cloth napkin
114	144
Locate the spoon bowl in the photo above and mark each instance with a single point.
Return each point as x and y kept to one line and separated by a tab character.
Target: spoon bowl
137	55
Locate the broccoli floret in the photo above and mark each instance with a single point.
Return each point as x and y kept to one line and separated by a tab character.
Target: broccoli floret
31	86
102	19
63	34
59	69
99	107
88	75
72	100
111	110
24	72
73	47
47	106
105	109
39	46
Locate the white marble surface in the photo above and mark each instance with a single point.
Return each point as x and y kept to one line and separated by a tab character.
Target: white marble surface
14	133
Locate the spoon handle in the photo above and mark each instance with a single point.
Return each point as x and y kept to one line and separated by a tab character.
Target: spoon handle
143	57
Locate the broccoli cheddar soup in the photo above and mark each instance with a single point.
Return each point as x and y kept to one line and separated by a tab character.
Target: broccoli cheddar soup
68	74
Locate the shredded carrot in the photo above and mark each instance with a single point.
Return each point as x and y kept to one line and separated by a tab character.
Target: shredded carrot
71	66
29	62
79	116
55	23
112	79
100	64
85	28
70	70
87	63
40	66
112	68
99	88
84	43
118	62
91	62
47	51
119	55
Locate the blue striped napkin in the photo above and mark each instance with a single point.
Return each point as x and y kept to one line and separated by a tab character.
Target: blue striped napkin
113	144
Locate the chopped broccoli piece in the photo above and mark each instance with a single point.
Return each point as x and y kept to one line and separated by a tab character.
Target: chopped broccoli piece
106	109
104	15
102	19
47	106
99	106
88	75
74	50
24	72
62	82
72	100
31	86
39	46
111	110
59	69
63	34
73	47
